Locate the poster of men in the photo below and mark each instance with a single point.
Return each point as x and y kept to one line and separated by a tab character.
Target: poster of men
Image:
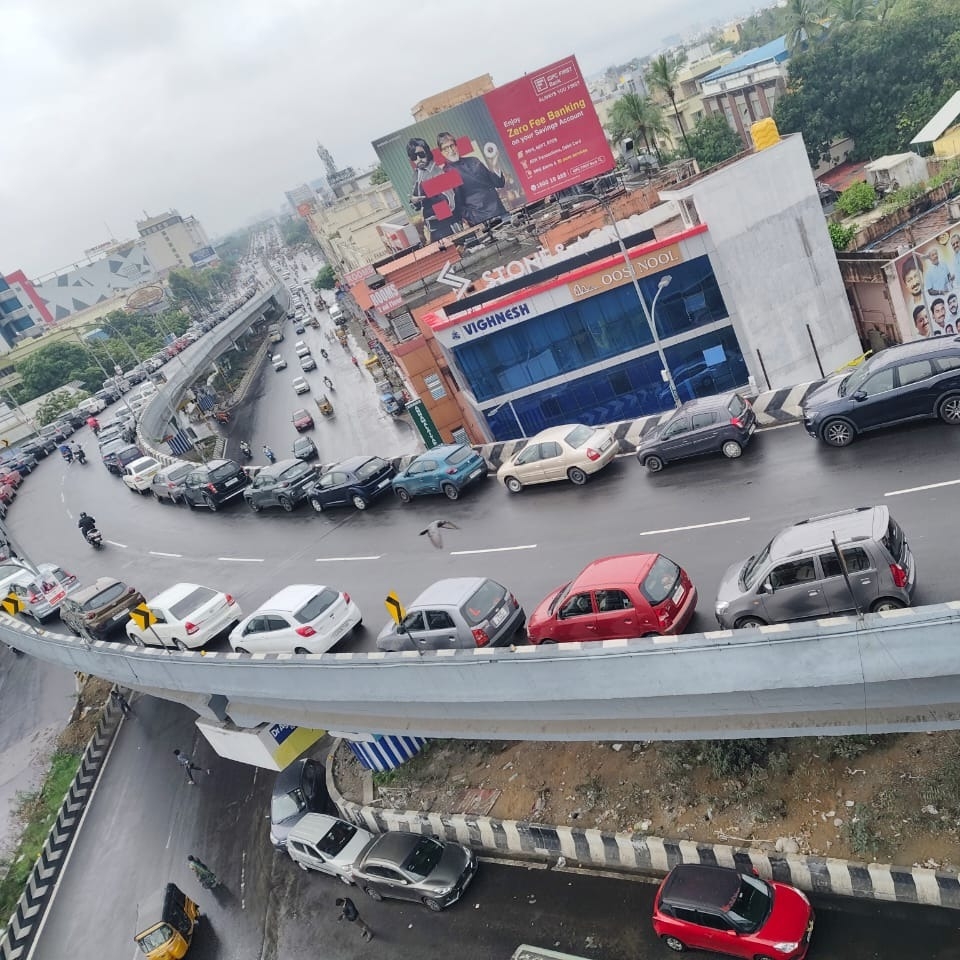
929	280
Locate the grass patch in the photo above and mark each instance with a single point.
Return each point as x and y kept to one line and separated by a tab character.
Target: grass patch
37	811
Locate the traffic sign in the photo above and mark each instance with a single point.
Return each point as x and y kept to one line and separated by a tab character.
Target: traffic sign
12	604
142	616
395	607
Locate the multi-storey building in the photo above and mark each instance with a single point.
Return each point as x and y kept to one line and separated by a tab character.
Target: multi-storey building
173	242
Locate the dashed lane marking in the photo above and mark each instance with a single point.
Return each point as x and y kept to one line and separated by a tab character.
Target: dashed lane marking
928	486
694	526
158	553
241	559
114	543
339	559
463	553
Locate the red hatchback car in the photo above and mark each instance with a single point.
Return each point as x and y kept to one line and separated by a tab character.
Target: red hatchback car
724	911
302	420
617	598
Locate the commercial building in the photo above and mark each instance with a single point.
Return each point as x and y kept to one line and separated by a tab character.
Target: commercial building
15	321
30	299
173	242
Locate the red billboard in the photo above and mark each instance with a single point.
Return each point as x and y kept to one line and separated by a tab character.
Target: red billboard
481	159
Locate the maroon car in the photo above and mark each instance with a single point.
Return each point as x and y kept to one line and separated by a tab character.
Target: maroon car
302	420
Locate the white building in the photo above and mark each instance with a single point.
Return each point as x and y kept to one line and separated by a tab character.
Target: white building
172	242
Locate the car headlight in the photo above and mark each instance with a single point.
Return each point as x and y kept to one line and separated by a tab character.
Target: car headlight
786	947
722	606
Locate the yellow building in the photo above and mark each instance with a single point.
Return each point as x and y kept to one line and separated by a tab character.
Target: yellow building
943	130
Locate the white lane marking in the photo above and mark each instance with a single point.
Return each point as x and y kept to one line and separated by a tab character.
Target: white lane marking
241	559
928	486
338	559
63	497
115	544
693	526
463	553
158	553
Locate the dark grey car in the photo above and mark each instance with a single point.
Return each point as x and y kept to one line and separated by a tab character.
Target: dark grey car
798	576
299	789
408	866
282	484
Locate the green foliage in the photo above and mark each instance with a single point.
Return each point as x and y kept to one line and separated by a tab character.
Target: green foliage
57	403
903	197
326	279
639	119
662	76
857	198
379	175
295	231
862	832
943	790
51	367
840	236
761	28
713	140
846	748
804	23
734	758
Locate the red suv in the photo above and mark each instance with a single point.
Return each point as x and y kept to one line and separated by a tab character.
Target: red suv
617	598
723	911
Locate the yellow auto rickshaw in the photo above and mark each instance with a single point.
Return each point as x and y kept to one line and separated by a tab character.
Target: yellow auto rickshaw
324	405
166	919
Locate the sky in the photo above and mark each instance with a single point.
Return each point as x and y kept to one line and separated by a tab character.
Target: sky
214	107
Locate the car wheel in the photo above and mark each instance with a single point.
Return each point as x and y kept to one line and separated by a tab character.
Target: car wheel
241	650
404	495
513	484
300	650
359	626
450	491
949	411
731	449
548	642
180	645
672	943
653	464
886	603
837	433
211	503
286	504
359	502
432	904
317	505
253	505
373	894
746	623
577	476
136	640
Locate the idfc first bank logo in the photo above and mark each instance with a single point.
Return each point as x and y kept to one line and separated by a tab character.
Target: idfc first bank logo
491	322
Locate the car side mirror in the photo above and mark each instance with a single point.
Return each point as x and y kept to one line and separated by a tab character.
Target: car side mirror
860	396
766	586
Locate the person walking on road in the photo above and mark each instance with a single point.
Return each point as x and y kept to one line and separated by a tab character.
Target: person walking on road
208	879
349	912
121	701
186	761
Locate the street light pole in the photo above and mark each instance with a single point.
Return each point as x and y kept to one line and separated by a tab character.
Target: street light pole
509	403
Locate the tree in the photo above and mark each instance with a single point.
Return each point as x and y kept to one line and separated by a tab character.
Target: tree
804	24
379	175
713	140
325	279
637	118
662	76
190	288
53	366
848	13
55	404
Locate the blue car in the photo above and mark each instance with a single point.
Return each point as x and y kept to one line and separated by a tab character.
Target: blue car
446	469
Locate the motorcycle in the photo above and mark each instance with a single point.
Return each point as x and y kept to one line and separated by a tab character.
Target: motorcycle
245	450
81	456
93	537
324	354
328	383
221	416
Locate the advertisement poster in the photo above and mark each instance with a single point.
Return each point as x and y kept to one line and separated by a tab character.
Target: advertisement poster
484	158
929	281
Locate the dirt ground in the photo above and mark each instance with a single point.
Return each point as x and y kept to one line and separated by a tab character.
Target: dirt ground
893	798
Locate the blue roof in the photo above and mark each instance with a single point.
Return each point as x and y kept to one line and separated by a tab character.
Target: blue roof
775	50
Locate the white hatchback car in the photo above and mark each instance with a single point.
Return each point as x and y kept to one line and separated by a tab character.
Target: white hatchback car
188	616
300	386
572	452
327	845
139	473
302	618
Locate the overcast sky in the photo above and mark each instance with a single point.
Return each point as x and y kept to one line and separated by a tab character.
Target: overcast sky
111	108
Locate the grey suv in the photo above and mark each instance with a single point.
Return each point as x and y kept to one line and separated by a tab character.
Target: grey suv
798	576
284	484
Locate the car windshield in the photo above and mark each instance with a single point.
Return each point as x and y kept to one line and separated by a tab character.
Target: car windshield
752	904
658	584
337	837
104	597
459	455
370	469
561	595
737	405
754	567
851	383
483	602
192	601
316	605
578	436
224	471
287	805
424	857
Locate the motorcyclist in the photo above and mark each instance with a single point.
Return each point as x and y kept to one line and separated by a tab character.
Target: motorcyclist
269	454
245	449
328	383
324	354
77	451
86	523
66	452
94	424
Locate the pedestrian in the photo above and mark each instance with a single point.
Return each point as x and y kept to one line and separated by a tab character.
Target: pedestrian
186	761
269	454
355	362
121	701
349	912
208	879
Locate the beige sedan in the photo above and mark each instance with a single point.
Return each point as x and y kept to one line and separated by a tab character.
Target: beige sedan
572	452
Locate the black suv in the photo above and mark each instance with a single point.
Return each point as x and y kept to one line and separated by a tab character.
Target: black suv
911	381
282	484
359	480
213	483
722	424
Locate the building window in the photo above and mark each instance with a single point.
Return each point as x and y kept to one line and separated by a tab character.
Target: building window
460	435
435	385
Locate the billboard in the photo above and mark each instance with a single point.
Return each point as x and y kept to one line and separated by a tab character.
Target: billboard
929	281
509	147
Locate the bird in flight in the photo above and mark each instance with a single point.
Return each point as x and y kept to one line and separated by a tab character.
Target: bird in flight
433	531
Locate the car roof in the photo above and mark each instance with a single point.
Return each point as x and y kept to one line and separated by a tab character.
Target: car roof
289	777
439	452
393	847
174	593
934	346
214	464
281	466
98	586
721	400
142	462
351	464
301	411
859	523
293	597
695	884
172	467
623	568
453	590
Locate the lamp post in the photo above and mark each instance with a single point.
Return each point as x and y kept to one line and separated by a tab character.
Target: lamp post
664	367
509	403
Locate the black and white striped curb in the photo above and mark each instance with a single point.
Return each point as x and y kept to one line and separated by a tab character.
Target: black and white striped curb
25	921
639	853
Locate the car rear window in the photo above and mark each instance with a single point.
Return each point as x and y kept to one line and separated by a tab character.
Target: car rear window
224	471
578	436
178	473
893	540
484	601
458	456
737	405
105	597
193	600
370	469
658	584
316	605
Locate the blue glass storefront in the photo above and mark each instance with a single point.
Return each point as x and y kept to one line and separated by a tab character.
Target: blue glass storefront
601	328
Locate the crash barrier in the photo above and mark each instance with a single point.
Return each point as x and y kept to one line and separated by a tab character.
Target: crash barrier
640	853
882	673
27	918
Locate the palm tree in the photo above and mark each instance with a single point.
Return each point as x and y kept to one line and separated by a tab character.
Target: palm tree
846	12
804	23
638	118
662	76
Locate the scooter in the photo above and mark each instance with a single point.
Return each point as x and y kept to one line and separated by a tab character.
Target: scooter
94	538
324	354
81	456
245	450
328	383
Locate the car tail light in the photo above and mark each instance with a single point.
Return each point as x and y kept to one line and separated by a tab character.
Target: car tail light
33	597
191	628
212	487
736	422
346	598
305	631
480	635
89	616
593	454
899	575
229	599
451	471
